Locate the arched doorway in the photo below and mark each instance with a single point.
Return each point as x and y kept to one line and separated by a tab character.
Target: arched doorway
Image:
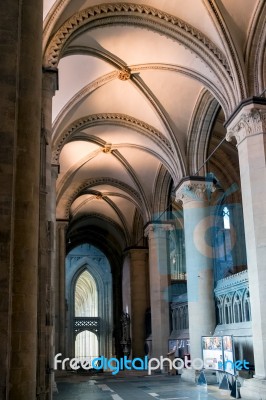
89	303
86	308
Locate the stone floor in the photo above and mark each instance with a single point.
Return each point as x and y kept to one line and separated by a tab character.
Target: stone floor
109	387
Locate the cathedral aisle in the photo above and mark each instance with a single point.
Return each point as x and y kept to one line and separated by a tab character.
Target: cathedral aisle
108	387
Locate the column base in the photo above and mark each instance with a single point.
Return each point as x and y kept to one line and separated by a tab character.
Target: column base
253	389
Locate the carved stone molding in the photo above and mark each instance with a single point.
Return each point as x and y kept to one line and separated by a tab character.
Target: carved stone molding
52	17
248	124
235	281
191	191
122	10
111	118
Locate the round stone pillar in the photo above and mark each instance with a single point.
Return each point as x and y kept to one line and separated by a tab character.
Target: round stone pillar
159	286
248	126
195	194
23	56
139	298
9	28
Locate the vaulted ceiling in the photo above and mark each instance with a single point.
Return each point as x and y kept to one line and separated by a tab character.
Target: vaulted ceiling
142	86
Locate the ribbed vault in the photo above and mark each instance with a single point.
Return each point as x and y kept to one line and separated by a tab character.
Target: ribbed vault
144	90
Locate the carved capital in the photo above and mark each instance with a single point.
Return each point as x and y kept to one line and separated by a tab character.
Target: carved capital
191	191
247	124
154	230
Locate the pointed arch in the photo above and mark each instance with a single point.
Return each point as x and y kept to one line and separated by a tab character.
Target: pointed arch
87	262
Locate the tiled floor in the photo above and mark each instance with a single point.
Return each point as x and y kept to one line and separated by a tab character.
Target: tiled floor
108	387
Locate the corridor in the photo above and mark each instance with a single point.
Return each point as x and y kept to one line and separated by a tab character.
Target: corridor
108	387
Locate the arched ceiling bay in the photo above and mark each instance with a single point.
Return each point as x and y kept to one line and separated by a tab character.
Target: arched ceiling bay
75	73
193	12
239	22
131	77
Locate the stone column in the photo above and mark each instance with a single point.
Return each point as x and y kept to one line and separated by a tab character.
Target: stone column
195	194
9	82
20	80
139	298
159	286
61	280
45	380
248	126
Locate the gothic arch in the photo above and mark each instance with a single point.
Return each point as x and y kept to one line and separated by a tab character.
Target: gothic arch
161	192
98	267
202	121
234	56
255	53
246	305
237	307
227	309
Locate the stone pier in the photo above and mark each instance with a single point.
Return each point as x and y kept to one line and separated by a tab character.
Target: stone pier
195	194
159	282
248	126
